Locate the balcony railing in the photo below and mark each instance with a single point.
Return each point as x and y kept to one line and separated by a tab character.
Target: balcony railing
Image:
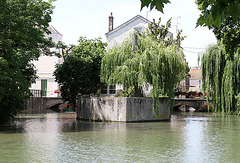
38	93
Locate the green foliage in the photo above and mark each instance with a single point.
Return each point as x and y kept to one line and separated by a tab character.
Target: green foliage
220	64
79	74
229	34
238	103
221	78
23	25
161	33
126	92
161	66
65	49
158	4
154	63
157	60
215	12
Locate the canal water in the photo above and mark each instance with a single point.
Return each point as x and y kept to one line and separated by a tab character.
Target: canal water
188	137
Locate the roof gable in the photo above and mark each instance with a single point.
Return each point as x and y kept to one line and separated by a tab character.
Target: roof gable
53	30
138	17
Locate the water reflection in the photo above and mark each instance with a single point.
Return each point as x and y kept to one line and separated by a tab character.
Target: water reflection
41	139
187	138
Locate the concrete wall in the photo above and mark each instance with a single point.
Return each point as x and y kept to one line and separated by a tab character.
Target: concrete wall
141	109
123	109
35	105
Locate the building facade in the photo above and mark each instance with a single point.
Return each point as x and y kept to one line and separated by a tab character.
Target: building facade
45	67
195	79
118	35
125	30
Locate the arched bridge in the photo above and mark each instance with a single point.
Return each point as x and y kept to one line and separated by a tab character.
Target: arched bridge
41	104
44	104
52	101
189	102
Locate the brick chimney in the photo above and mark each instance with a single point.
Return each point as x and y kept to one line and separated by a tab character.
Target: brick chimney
110	23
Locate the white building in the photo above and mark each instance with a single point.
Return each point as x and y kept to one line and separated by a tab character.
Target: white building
195	80
45	66
119	34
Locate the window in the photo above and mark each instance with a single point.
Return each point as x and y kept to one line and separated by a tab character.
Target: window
109	90
200	81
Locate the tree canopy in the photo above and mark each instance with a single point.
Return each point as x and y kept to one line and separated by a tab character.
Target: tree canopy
158	4
220	67
80	72
161	33
154	62
23	25
229	33
220	63
213	12
221	78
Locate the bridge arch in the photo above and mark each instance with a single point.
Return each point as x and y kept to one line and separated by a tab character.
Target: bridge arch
55	107
183	107
53	101
188	103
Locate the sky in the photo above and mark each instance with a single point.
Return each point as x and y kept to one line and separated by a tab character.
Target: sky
89	18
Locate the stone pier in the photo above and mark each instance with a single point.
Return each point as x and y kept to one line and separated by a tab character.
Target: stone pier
122	109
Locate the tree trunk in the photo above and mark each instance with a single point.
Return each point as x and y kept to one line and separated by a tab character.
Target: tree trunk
137	91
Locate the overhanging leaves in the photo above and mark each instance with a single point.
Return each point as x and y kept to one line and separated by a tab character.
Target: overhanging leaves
23	25
216	12
158	4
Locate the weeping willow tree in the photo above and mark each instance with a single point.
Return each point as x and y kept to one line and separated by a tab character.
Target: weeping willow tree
221	78
152	62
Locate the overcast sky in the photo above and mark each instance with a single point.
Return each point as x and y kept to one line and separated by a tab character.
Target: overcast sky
75	18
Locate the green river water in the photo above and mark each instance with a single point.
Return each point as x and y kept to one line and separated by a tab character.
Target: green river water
57	138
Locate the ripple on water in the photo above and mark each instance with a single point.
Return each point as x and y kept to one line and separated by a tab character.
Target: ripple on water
186	138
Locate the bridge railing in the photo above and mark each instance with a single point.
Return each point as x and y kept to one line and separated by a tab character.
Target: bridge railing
41	93
38	93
